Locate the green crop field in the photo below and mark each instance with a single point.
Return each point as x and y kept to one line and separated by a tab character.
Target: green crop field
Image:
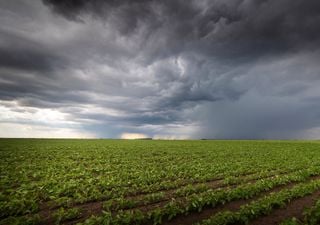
159	182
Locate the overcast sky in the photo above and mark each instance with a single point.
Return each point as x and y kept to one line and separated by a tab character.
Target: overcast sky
240	69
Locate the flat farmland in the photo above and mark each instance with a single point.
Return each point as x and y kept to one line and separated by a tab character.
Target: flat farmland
66	181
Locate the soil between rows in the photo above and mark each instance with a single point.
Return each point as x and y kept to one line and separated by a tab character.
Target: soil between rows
193	217
294	209
95	207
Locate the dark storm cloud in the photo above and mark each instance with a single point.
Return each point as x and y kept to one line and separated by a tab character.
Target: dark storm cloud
267	25
218	68
23	54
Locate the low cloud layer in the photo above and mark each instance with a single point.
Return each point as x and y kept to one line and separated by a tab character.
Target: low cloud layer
164	69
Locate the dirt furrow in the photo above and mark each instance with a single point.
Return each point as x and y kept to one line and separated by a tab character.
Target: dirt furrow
206	213
96	207
294	209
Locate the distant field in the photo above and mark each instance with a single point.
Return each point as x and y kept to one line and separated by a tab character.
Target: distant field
159	182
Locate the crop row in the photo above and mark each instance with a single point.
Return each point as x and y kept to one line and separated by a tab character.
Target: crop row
121	203
142	200
263	206
196	202
154	200
25	200
311	217
193	202
55	176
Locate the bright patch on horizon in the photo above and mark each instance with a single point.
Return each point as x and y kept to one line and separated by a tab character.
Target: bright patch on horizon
133	136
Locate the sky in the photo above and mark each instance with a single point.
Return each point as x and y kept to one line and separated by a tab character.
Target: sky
170	69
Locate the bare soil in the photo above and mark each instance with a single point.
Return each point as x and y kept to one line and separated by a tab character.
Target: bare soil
206	213
294	209
95	208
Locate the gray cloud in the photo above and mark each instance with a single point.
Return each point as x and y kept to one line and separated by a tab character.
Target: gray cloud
267	25
213	69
